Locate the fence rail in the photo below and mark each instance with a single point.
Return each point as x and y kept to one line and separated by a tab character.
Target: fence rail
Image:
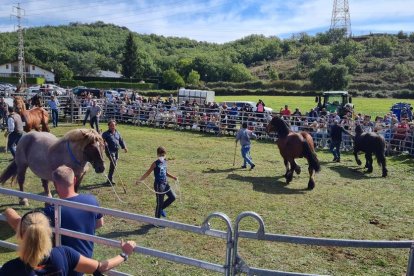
233	263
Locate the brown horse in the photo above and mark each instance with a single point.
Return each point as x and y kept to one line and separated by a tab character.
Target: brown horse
36	118
294	145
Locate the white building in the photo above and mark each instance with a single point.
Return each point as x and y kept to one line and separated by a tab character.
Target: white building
32	71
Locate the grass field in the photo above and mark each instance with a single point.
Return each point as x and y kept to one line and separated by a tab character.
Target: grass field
346	203
369	106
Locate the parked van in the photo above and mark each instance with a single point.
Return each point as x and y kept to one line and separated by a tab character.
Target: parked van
243	104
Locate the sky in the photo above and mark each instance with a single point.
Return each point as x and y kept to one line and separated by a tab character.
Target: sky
216	21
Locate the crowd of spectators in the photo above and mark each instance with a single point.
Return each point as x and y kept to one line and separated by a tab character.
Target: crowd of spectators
398	131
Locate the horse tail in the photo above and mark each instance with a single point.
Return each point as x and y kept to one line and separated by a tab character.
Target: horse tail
310	154
380	152
10	171
45	120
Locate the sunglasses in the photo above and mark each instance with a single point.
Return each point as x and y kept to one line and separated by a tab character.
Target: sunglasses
37	210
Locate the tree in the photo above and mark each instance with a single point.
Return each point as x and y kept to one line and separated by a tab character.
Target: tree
330	77
351	62
62	72
172	80
84	64
193	78
130	57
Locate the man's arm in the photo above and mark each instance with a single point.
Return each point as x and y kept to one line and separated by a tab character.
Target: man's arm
12	218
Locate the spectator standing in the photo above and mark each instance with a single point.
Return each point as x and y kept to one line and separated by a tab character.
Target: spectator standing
54	107
161	186
336	139
286	112
4	109
86	104
244	136
95	112
14	130
113	141
37	257
71	218
260	108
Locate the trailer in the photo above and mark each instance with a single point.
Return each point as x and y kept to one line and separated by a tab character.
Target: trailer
199	96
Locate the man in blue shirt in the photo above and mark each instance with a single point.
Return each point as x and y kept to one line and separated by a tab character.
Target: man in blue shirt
113	141
54	107
244	135
71	218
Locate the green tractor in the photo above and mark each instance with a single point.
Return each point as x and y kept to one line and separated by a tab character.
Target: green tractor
335	101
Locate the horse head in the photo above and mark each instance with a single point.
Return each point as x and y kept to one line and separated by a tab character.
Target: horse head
94	150
358	130
19	104
278	125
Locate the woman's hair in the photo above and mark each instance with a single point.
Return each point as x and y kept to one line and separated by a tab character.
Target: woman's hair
34	233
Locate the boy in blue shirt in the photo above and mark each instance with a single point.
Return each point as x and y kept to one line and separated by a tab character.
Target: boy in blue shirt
161	186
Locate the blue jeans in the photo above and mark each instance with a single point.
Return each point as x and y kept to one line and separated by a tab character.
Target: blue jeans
55	117
14	138
95	122
245	152
334	149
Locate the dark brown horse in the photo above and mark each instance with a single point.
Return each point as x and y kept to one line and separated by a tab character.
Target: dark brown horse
36	118
294	145
370	143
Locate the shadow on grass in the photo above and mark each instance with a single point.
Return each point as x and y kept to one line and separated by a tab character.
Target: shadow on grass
87	187
140	231
272	185
232	169
354	172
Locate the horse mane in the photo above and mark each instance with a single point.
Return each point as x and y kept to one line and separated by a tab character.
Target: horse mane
282	128
83	137
19	104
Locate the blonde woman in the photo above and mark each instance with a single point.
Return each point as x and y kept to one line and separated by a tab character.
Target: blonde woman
37	257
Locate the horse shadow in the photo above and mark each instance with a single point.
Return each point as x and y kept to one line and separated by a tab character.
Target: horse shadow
228	170
144	229
265	184
94	186
354	172
6	232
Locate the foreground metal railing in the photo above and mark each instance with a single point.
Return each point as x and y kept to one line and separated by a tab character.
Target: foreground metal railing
204	229
233	263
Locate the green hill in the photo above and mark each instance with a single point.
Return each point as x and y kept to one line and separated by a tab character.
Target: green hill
376	65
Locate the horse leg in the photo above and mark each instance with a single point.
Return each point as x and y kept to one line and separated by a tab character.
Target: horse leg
45	184
311	183
21	176
297	167
368	157
289	174
356	158
286	166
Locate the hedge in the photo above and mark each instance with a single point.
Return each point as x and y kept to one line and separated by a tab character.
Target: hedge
15	80
108	85
103	79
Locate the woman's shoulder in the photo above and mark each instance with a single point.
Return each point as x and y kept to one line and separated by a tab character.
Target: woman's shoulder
16	267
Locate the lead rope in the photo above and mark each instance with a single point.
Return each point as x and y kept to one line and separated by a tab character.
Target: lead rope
176	184
116	170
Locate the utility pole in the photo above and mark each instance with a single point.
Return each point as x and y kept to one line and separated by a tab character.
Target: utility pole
341	18
19	13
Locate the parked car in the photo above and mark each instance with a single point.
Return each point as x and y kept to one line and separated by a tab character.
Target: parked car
242	104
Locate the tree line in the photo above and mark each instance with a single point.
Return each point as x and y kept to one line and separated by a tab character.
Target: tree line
328	60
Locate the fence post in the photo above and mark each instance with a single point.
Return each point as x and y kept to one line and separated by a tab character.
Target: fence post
410	267
58	212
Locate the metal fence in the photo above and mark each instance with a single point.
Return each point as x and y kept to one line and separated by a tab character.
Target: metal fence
232	264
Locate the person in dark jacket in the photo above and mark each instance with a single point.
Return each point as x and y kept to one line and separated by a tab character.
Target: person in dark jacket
113	141
14	130
336	139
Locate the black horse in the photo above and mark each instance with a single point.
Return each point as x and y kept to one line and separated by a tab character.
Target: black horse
370	143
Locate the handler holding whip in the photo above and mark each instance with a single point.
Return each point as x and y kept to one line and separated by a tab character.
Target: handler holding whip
113	141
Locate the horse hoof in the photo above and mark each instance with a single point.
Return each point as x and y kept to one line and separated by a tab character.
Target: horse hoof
369	170
297	170
359	162
384	174
311	185
24	202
